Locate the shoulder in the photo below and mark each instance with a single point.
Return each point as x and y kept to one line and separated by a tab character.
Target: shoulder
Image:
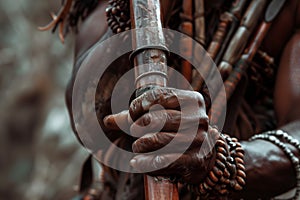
91	29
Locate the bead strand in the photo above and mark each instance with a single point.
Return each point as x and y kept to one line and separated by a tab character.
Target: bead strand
229	171
117	13
271	136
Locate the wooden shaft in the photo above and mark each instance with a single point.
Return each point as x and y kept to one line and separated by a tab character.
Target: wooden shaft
150	71
231	83
236	11
229	22
199	21
241	37
186	45
213	50
159	189
257	41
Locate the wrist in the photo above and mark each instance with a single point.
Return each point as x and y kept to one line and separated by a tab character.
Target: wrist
228	172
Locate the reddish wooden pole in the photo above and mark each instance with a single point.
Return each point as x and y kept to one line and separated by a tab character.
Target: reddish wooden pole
150	71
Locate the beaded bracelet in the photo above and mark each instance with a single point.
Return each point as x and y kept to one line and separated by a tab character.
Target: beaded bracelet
118	17
272	136
228	173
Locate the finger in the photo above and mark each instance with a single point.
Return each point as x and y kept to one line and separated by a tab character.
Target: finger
169	98
169	121
118	121
152	162
185	166
194	117
155	121
180	142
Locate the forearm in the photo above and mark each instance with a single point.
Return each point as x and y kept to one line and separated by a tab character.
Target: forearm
269	171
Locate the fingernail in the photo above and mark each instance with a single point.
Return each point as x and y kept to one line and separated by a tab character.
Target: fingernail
133	163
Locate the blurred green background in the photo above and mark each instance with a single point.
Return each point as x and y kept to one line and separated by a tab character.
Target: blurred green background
40	157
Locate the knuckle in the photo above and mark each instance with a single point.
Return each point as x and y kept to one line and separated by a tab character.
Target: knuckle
168	116
135	147
172	118
199	97
204	119
159	162
154	94
133	105
146	120
161	95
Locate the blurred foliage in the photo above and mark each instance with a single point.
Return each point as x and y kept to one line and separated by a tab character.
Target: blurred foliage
39	155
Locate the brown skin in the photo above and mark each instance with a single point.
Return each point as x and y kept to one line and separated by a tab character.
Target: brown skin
269	171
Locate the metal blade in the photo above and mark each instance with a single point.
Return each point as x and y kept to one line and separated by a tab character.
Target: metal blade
273	9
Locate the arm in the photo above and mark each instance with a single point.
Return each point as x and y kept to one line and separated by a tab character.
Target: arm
90	31
93	30
269	171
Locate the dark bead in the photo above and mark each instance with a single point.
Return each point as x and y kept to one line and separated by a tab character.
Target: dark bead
222	150
232	183
239	160
221	157
210	182
206	187
238	187
240	155
240	180
217	172
114	23
241	173
123	17
238	144
223	192
226	173
220	164
232	144
221	143
240	149
224	180
114	30
232	169
201	189
240	166
110	21
213	177
230	159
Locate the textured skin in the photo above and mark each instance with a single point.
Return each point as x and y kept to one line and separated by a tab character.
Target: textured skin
269	172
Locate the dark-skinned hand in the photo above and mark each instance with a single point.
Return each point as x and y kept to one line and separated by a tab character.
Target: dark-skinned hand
156	118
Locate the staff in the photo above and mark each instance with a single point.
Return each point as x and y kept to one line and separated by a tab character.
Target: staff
150	63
